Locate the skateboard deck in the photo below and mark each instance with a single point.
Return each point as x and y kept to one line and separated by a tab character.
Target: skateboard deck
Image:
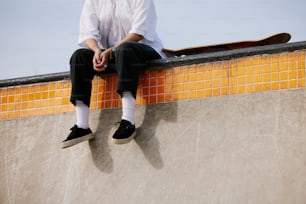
271	40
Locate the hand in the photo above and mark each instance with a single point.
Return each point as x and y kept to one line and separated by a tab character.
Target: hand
97	61
100	60
105	56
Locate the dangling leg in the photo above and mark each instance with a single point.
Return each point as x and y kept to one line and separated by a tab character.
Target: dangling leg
81	76
130	57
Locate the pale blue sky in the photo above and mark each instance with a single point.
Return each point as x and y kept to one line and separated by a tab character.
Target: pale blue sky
38	36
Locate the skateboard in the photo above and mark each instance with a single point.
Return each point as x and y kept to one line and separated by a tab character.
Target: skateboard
271	40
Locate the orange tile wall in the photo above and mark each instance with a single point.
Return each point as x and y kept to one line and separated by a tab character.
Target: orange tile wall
236	76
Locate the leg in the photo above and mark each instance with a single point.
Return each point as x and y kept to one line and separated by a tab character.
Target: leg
82	73
130	58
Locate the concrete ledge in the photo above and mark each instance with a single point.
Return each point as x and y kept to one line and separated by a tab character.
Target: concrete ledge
172	62
235	149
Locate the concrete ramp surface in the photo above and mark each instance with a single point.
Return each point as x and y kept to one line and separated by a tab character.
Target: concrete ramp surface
234	149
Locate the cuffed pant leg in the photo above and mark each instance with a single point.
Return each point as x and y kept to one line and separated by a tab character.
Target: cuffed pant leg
81	73
130	58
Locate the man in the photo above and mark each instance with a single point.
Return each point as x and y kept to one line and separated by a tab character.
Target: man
121	32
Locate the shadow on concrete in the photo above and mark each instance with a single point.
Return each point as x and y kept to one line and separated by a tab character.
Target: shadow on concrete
99	147
146	137
146	133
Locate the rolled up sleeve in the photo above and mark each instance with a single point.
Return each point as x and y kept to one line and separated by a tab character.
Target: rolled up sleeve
144	19
89	24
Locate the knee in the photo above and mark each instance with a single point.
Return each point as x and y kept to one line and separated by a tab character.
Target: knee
80	56
126	46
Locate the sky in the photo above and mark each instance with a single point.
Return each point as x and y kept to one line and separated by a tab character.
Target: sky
38	36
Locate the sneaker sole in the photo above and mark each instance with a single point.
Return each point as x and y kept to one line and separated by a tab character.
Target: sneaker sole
125	140
77	140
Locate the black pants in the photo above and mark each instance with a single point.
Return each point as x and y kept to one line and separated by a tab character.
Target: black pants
130	58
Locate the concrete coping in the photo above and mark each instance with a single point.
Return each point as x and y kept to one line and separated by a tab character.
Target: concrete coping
172	62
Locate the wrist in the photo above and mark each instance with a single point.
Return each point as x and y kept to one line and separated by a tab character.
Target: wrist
112	53
96	50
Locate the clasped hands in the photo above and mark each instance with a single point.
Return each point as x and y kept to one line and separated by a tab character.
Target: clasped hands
101	59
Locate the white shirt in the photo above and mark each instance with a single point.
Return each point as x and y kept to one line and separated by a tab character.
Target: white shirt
109	21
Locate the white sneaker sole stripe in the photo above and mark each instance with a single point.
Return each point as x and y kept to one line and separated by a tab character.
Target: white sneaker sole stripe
125	140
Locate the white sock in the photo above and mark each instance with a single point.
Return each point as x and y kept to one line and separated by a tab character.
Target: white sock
82	114
128	107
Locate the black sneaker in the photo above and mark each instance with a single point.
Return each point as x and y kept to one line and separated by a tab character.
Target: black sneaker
125	133
76	136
